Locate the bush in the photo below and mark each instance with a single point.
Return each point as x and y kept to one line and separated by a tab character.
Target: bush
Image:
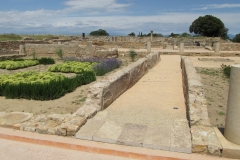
106	65
43	86
59	52
100	65
72	67
132	54
46	61
17	63
226	70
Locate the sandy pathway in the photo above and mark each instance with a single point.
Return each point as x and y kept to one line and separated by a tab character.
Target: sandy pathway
157	99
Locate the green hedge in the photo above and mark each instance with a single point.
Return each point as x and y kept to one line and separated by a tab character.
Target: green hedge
72	67
16	64
46	61
43	86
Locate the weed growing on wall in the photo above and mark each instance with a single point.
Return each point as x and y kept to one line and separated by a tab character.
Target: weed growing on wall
59	52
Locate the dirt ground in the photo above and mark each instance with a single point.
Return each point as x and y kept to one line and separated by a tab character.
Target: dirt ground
216	86
69	103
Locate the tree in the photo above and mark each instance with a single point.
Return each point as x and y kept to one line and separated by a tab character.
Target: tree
99	32
209	26
131	34
185	34
236	38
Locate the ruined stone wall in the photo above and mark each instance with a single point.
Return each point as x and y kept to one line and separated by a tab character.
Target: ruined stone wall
230	47
69	50
204	138
12	47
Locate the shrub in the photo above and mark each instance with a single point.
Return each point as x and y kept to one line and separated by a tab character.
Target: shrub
132	54
41	86
100	65
59	52
72	67
46	61
106	65
226	70
17	63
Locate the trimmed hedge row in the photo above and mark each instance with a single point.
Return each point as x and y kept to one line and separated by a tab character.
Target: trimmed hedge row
16	64
72	67
12	64
43	89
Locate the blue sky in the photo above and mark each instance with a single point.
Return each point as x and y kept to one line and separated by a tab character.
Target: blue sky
117	17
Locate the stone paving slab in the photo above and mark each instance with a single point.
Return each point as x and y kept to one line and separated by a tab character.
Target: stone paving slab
132	135
89	129
9	119
109	132
158	138
181	140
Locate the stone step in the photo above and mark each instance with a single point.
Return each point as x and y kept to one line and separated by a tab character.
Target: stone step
175	138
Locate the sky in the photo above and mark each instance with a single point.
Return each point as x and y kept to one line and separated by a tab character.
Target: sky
117	17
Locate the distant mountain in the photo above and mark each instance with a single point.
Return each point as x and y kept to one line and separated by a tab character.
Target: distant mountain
231	36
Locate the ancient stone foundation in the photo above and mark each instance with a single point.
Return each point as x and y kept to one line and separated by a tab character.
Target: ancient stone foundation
204	138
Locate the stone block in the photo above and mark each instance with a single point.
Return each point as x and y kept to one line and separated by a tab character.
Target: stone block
60	132
132	135
181	140
109	132
205	140
89	129
78	121
42	129
158	138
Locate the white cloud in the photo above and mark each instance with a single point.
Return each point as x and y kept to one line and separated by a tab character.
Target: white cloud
218	6
95	5
47	21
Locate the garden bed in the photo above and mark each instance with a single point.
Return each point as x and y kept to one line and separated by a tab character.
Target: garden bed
69	103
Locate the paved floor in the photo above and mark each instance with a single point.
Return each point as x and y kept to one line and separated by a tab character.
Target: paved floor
151	114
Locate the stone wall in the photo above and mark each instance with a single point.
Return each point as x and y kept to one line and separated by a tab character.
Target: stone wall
204	138
209	53
69	50
103	93
12	47
230	47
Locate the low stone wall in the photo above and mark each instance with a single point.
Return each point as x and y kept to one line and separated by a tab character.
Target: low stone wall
204	139
69	50
230	47
221	54
14	45
103	93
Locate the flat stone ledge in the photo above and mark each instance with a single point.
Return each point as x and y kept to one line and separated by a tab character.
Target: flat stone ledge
132	135
10	119
89	129
109	132
158	138
181	140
